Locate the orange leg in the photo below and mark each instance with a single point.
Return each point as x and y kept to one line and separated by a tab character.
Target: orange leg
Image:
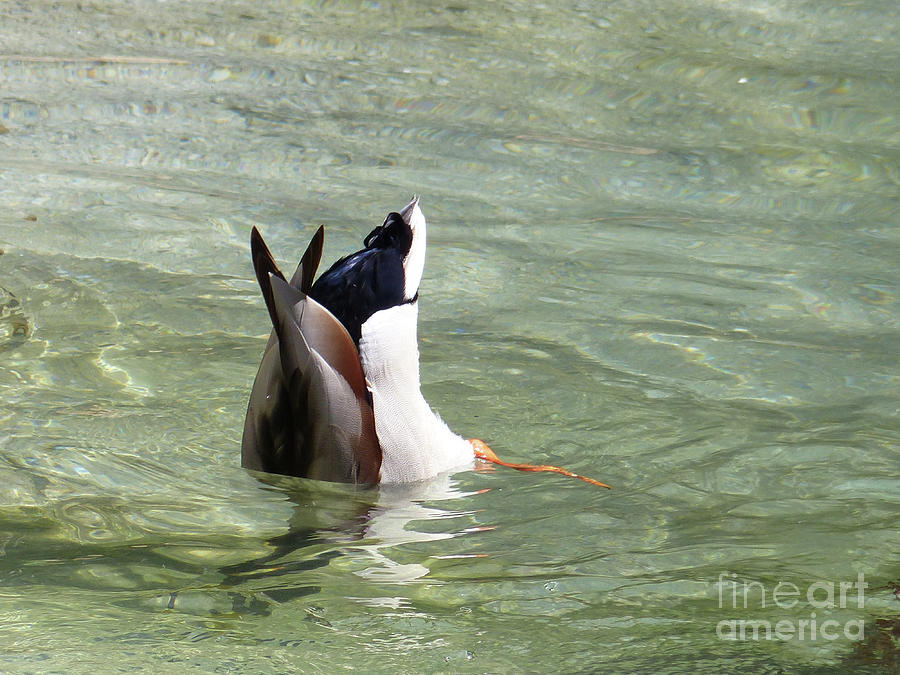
483	452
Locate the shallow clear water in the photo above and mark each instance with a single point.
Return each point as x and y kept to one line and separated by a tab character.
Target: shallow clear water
663	252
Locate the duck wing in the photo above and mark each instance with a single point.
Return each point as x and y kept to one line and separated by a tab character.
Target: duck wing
309	413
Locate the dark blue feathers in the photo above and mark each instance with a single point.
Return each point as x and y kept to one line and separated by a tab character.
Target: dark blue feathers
365	282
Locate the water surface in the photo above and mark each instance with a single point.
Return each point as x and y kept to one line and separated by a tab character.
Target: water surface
663	252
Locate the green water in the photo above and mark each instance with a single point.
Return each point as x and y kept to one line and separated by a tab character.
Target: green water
663	252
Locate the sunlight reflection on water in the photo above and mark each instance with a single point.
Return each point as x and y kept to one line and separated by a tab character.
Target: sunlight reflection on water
662	253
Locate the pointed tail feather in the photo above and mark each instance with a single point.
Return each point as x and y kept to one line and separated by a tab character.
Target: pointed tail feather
306	271
264	265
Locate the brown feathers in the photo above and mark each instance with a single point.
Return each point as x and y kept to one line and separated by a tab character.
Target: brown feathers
309	413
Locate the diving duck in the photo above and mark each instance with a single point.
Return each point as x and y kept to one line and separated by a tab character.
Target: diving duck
337	395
